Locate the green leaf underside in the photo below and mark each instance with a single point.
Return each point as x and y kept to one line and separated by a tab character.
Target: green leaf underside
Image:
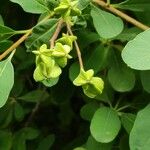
136	54
106	24
6	79
140	133
31	6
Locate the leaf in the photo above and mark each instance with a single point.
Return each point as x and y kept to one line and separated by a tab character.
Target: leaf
86	37
18	112
6	79
1	20
41	34
74	71
105	125
6	32
134	5
98	58
79	148
20	137
31	6
145	78
122	79
106	24
127	120
120	76
30	133
88	110
5	140
34	96
82	4
136	54
128	34
139	136
46	143
92	144
5	44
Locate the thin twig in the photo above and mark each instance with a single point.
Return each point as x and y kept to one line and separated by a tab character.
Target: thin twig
121	14
22	39
56	33
34	110
76	46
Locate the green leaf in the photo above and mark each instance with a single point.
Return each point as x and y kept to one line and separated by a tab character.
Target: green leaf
5	44
98	58
88	110
127	120
106	24
41	34
136	53
6	32
5	140
139	136
30	133
1	20
74	71
20	137
6	79
18	112
120	76
31	6
128	34
105	125
46	143
92	144
79	148
145	78
34	96
82	4
134	5
122	79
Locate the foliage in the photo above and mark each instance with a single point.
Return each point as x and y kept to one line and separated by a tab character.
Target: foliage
77	77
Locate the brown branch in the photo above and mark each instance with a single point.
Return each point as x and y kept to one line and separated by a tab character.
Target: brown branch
77	47
15	45
56	33
121	14
22	39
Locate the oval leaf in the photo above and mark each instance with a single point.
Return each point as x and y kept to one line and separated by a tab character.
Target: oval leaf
31	6
106	24
105	125
140	133
136	53
6	79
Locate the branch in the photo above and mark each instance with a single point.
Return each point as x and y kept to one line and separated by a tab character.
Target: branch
15	45
76	46
56	33
22	39
121	14
34	110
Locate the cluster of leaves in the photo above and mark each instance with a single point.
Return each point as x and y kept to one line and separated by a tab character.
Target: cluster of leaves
41	109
